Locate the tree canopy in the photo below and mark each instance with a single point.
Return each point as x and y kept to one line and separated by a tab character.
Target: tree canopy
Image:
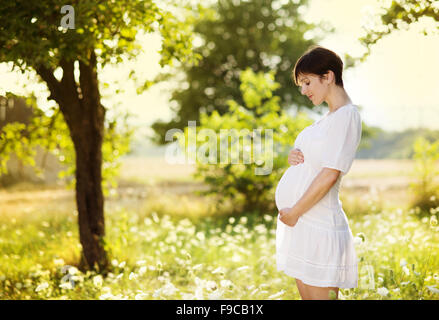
68	61
398	16
264	35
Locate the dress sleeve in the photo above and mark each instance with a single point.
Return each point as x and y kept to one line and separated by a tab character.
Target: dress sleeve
343	136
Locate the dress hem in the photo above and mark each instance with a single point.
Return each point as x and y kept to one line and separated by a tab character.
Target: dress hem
317	283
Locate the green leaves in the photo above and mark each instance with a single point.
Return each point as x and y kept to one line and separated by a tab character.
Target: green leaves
257	87
401	13
52	135
232	36
30	30
424	187
239	133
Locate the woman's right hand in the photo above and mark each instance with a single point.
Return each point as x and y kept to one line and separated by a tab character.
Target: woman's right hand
295	157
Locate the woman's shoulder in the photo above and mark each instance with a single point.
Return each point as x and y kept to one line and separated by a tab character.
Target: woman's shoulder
348	108
344	112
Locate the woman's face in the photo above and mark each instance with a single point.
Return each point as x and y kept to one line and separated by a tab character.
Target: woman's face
314	87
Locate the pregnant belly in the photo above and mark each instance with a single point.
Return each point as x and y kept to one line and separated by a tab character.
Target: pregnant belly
292	185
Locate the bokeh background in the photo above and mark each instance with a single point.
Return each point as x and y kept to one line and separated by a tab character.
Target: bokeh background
196	230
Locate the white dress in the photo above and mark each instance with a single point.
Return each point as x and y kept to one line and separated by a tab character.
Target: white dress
319	250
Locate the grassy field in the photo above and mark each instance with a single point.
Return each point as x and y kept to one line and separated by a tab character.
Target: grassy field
165	242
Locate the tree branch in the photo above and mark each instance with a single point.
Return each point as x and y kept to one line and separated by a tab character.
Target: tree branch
68	81
88	79
52	83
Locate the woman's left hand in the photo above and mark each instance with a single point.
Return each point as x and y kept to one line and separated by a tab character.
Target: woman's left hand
288	216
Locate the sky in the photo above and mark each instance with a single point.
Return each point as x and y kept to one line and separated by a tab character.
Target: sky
397	86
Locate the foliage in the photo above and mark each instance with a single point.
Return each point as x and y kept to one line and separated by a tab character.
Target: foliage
264	35
394	145
248	177
397	16
158	256
49	131
32	34
104	32
426	189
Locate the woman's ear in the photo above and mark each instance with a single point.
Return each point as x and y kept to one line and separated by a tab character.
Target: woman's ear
330	76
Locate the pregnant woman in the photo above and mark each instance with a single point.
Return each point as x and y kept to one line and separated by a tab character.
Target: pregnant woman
314	243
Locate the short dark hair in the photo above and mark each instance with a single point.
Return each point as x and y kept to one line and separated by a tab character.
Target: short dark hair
318	60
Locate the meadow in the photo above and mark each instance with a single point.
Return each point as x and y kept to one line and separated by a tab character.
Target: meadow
167	242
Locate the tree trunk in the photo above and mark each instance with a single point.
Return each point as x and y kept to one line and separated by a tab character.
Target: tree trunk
85	116
89	196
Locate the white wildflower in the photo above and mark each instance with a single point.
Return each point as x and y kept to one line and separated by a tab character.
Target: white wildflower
132	276
141	262
42	286
391	239
219	270
242	268
268	218
236	257
383	291
406	270
187	296
276	295
105	296
254	292
157	293
200	236
433	289
199	293
70	270
142	270
155	217
226	284
197	266
58	262
141	296
402	262
215	295
97	281
66	285
433	221
169	289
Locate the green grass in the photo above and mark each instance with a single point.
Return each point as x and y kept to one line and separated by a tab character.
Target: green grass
164	247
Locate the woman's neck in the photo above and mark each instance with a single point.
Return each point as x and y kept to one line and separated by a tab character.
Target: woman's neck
337	98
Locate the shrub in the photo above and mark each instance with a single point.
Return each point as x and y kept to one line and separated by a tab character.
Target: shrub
249	175
425	189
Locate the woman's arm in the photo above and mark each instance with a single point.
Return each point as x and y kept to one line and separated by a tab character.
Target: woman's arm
319	187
